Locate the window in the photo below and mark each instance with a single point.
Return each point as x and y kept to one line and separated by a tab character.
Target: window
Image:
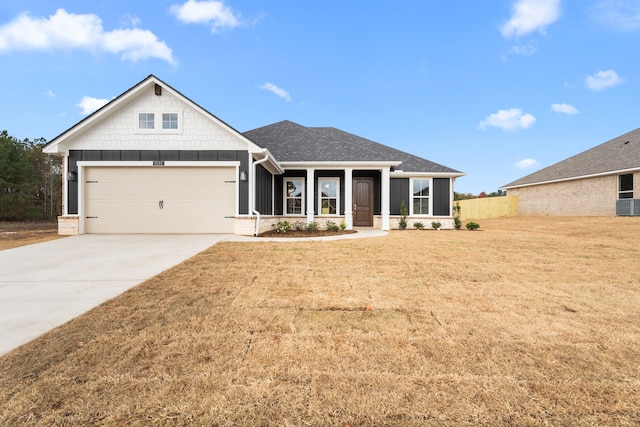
625	186
328	196
294	196
421	196
169	121
145	121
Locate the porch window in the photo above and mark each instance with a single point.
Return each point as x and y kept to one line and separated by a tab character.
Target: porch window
421	196
294	196
328	193
625	186
146	121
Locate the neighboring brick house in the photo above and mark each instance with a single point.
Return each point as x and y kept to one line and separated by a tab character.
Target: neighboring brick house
602	181
153	161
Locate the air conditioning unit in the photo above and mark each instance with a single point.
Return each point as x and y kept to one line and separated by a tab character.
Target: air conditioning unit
628	207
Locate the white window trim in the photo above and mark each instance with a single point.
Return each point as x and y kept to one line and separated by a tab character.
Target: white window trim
302	195
319	192
633	184
157	122
411	213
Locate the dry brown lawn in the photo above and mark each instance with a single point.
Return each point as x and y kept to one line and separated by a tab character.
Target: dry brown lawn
528	321
14	234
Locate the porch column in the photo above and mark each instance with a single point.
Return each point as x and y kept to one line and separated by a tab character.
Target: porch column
348	198
385	202
310	193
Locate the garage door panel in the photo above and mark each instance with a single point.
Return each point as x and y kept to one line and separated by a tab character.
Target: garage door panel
127	200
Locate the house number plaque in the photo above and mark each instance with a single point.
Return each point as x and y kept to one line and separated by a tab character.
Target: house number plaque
158	163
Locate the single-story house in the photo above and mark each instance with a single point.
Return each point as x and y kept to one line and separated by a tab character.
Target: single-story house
602	181
153	161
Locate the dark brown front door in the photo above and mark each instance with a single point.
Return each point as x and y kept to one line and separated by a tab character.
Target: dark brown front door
363	202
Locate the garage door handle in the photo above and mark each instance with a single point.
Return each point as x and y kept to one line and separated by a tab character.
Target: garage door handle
161	204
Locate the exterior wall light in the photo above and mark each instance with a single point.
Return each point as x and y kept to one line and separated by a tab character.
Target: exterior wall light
243	176
72	176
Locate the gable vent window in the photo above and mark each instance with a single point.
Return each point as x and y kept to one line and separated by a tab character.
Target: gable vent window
169	121
146	121
625	186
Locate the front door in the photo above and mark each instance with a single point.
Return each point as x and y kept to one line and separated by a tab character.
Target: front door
363	202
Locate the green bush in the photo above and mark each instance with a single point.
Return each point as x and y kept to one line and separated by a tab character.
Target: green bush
299	226
343	225
312	227
456	216
332	226
281	226
472	225
436	225
402	222
418	225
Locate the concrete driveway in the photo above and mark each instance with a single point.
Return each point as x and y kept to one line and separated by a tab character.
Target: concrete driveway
47	284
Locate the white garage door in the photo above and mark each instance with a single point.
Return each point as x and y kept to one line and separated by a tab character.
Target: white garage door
159	199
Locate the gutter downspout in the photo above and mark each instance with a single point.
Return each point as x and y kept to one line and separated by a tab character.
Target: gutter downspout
253	195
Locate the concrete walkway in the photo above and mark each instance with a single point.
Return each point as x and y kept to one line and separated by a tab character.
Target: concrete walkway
47	284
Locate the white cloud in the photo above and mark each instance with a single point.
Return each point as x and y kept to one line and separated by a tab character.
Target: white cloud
603	80
564	109
529	16
50	94
88	104
508	120
619	14
213	12
64	30
525	49
278	91
526	164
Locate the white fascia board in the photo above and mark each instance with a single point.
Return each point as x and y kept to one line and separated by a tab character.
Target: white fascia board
272	164
338	165
53	146
573	178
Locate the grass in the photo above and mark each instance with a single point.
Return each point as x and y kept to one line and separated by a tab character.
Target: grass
528	321
15	234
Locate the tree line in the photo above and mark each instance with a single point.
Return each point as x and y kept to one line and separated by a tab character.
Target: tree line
464	196
30	180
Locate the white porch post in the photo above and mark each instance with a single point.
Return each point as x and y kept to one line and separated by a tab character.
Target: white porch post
348	198
385	210
310	193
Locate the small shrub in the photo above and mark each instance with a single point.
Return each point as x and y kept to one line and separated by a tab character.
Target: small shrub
418	225
343	225
402	222
281	226
472	225
457	224
332	226
299	226
436	225
312	227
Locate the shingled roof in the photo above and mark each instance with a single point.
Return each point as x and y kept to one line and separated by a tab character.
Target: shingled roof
291	142
617	155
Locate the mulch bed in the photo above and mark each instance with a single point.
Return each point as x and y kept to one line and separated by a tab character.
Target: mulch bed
303	233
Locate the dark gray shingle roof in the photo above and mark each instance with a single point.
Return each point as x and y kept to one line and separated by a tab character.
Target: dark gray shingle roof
618	154
291	142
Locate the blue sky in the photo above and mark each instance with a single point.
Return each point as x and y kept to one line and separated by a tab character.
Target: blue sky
496	89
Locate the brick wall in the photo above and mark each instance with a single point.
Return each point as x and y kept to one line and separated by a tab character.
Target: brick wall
583	197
